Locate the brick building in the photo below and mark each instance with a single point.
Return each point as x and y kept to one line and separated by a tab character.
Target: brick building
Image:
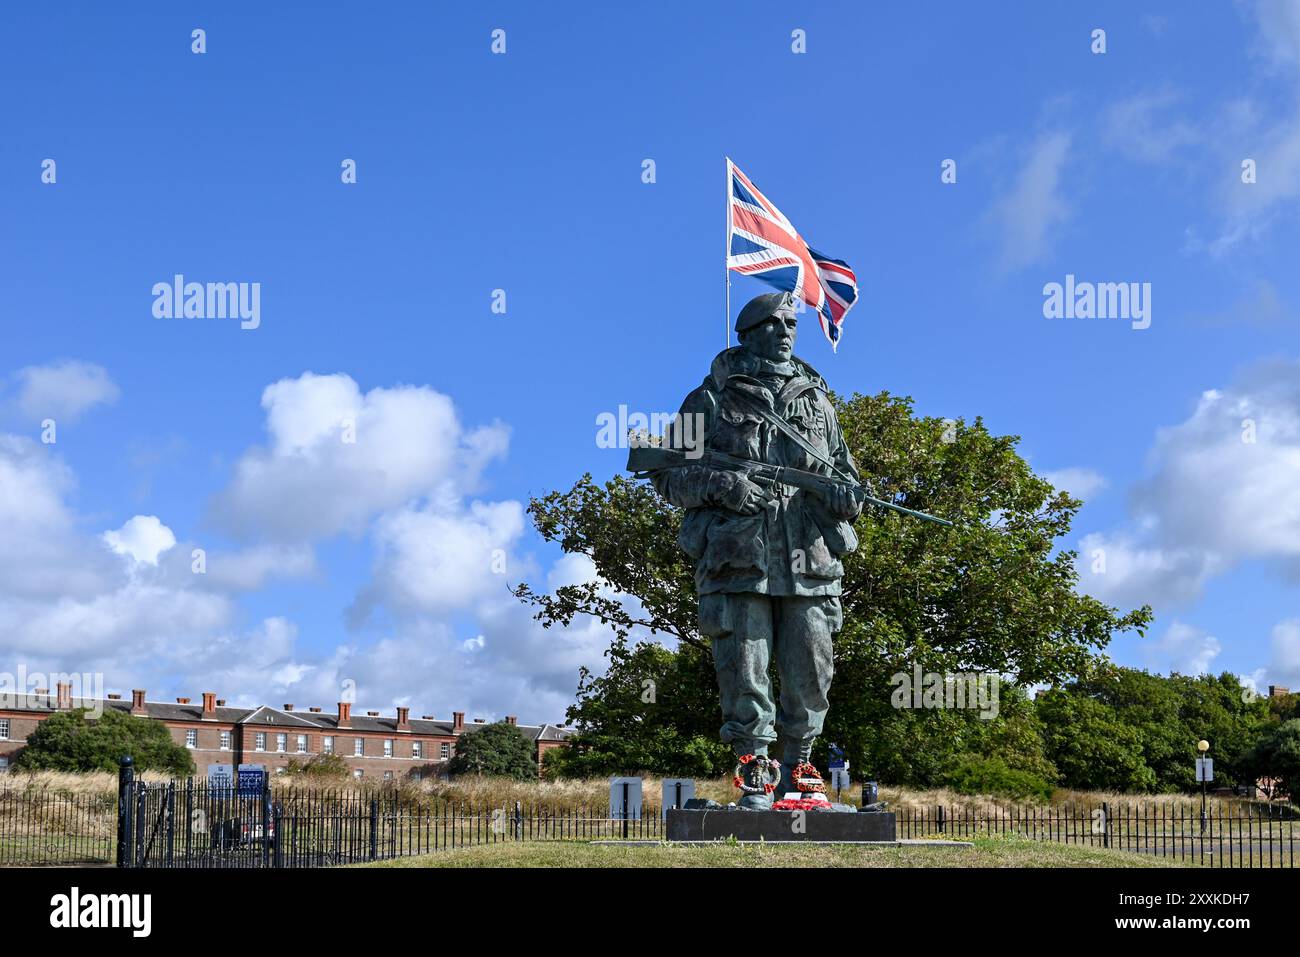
374	746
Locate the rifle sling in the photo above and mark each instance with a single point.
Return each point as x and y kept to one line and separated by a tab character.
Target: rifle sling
788	431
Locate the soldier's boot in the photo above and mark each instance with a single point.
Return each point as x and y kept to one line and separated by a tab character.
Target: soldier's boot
791	755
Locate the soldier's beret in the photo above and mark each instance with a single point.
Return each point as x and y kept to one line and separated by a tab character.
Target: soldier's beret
762	308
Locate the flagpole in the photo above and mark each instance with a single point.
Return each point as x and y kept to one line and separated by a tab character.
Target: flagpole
726	254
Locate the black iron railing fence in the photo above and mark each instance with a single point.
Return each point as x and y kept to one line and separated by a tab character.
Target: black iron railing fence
192	824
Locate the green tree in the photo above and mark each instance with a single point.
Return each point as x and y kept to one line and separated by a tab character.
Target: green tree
991	595
1169	714
1277	755
1090	746
499	749
77	741
629	716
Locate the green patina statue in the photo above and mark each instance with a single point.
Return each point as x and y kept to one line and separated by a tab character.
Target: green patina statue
767	552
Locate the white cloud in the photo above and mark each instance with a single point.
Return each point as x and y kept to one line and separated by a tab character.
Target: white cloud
1284	668
1144	128
1028	215
1182	648
1222	489
337	458
63	391
1080	482
143	538
437	558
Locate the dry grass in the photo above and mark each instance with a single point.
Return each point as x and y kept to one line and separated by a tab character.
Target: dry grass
488	792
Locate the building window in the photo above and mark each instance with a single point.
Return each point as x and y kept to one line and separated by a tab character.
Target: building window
358	774
225	740
282	742
359	747
302	744
388	747
388	775
327	744
279	770
191	738
4	729
259	741
417	749
444	750
416	775
4	765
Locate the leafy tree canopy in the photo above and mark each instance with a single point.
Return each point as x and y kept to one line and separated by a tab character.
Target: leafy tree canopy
499	749
77	741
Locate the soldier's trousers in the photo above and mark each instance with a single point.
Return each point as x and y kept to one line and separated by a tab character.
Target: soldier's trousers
748	631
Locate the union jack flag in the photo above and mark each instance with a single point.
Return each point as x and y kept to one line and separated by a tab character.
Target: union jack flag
762	243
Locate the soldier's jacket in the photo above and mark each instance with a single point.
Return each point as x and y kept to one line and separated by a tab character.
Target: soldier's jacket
793	547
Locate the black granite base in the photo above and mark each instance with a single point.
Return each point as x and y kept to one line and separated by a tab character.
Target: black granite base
779	826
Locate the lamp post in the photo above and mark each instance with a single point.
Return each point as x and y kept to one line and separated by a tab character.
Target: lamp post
1202	746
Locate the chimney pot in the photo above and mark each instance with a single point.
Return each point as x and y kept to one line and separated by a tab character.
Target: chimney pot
457	720
373	714
512	719
209	703
288	707
480	720
115	697
345	714
137	701
314	710
221	702
403	717
182	700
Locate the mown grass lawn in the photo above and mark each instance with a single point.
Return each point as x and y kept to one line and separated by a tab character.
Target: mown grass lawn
999	851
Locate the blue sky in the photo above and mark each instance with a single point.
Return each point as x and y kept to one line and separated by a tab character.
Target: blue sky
522	171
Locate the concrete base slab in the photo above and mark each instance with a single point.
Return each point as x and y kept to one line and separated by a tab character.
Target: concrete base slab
781	826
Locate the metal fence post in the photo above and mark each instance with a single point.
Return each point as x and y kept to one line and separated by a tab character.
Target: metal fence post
125	780
277	816
266	820
374	829
1105	824
171	823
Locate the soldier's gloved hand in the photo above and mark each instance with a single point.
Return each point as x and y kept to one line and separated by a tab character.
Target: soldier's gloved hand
737	493
843	504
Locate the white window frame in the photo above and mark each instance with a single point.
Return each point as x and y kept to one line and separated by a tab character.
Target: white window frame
444	751
357	774
259	741
4	764
417	749
4	729
388	775
359	748
302	744
191	737
388	747
327	744
282	742
225	740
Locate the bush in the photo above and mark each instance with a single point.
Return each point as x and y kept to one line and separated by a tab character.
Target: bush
977	774
321	767
72	741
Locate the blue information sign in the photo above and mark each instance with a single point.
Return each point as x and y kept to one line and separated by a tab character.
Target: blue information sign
252	780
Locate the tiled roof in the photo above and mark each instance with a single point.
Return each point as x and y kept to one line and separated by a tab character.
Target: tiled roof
270	717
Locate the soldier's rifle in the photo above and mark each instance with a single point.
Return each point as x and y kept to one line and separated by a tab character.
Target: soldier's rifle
643	460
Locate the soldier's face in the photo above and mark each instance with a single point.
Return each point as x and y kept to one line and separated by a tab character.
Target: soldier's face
773	339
